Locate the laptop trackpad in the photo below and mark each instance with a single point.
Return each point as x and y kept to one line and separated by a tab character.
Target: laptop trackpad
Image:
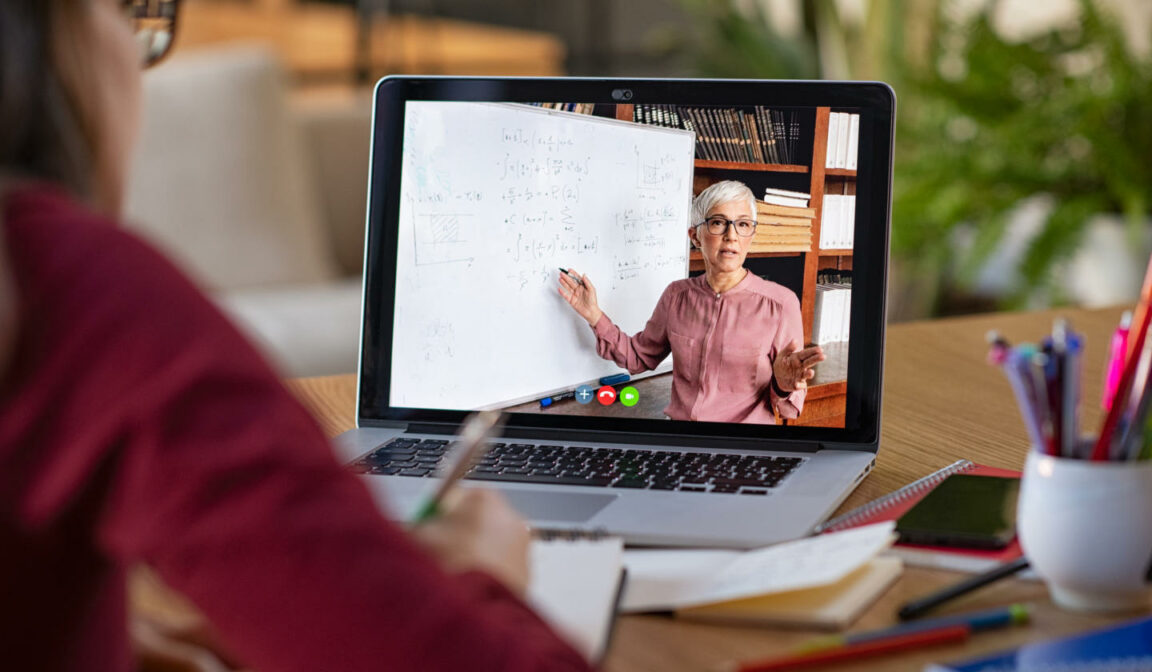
568	507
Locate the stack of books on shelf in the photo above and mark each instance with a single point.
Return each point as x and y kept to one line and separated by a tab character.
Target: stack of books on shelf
749	135
833	306
783	222
843	140
838	222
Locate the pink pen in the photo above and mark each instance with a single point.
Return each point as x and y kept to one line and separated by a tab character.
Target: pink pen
1116	358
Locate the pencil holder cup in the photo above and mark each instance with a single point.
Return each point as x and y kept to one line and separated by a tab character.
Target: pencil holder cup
1086	528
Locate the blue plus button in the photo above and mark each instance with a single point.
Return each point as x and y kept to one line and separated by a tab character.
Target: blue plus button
585	394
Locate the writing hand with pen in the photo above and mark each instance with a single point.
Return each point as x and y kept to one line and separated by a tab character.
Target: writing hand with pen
580	293
473	528
478	529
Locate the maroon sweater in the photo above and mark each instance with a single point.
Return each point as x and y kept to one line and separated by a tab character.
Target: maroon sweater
136	424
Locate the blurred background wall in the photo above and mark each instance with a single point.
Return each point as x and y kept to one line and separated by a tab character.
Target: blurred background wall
1024	139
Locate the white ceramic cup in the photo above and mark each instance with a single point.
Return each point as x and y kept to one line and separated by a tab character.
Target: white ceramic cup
1086	528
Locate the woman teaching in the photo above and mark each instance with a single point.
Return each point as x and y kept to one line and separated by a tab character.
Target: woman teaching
736	339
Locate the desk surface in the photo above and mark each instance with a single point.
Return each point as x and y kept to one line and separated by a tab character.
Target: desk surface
941	403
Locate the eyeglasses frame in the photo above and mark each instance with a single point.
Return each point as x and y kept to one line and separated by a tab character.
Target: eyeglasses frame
140	10
727	223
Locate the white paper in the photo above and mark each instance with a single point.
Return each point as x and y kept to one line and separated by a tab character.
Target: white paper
664	580
573	586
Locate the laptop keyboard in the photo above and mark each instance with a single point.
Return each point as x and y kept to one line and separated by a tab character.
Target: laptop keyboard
598	467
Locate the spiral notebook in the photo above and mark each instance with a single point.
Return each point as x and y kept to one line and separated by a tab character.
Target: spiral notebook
895	504
577	581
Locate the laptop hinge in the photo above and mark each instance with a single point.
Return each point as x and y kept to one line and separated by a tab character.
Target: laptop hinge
637	438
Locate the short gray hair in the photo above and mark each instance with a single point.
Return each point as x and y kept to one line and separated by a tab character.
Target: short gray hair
721	192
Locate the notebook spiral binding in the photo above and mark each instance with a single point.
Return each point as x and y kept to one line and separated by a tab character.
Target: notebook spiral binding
864	512
570	535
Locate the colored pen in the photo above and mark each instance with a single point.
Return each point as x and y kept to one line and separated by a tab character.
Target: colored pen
953	634
998	348
898	638
1017	368
1039	370
1065	348
473	442
572	275
1127	443
1116	357
615	379
916	608
1140	319
977	621
548	401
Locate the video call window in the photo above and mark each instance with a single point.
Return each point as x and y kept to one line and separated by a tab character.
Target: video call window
639	261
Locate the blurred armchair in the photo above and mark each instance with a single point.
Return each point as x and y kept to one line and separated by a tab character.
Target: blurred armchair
260	196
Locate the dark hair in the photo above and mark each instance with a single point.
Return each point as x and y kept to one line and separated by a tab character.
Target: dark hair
43	133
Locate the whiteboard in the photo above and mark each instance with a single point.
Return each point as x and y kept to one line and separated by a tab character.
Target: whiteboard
494	199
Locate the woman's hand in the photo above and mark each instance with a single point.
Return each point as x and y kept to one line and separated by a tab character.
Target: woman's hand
160	647
477	529
793	366
581	296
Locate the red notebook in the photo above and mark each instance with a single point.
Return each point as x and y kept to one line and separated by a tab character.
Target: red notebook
894	504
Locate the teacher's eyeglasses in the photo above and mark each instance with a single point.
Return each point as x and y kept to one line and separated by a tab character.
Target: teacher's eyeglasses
718	226
155	25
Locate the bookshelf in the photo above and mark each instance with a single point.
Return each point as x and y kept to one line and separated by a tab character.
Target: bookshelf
760	167
825	402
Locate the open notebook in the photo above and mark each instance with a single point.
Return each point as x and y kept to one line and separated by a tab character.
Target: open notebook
577	580
822	582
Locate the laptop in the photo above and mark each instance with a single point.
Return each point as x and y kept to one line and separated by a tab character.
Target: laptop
660	424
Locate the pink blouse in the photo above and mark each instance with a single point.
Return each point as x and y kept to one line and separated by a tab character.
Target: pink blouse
723	347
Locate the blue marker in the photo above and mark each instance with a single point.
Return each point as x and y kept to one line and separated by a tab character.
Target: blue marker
615	379
548	401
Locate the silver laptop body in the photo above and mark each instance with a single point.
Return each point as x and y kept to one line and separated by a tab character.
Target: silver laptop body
815	467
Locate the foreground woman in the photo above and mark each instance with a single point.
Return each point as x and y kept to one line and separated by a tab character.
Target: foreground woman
136	425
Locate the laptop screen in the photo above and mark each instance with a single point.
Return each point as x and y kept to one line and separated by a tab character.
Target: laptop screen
626	265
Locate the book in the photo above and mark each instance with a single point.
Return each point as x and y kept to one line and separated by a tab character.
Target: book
823	581
576	584
767	209
895	504
787	193
842	140
757	146
834	606
833	139
838	221
768	134
785	201
780	220
1118	648
853	141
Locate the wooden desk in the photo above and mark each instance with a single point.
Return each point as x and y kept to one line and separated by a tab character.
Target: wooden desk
941	403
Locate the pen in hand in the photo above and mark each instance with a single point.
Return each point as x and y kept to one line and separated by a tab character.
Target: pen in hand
570	274
471	444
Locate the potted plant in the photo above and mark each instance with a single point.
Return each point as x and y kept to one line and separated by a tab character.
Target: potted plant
1060	121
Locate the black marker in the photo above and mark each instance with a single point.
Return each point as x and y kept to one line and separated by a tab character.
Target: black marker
917	607
572	275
